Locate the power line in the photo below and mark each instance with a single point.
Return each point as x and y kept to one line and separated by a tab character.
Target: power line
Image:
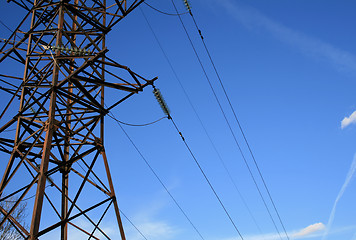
166	111
4	40
200	120
165	13
111	115
235	139
141	125
122	213
237	120
10	130
206	178
2	23
25	199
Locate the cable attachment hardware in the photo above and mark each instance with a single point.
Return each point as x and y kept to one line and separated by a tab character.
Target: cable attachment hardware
187	5
161	101
181	135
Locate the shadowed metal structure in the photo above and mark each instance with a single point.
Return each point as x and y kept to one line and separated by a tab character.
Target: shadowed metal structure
56	149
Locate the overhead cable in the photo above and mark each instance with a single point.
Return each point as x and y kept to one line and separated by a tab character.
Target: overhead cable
225	117
237	120
2	23
111	115
22	200
197	163
138	230
4	40
141	125
10	130
169	14
200	120
206	178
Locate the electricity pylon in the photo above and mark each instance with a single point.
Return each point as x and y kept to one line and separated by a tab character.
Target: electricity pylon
57	159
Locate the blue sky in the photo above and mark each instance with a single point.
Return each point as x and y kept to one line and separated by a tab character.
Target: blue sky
289	68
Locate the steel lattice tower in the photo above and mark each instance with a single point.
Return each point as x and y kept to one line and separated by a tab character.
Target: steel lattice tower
57	152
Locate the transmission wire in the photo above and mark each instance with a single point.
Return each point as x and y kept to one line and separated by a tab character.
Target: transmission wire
141	125
22	200
238	122
206	178
111	115
169	14
200	120
2	23
122	213
243	156
11	41
9	130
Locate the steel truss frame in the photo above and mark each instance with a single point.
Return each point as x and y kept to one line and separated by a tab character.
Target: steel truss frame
59	125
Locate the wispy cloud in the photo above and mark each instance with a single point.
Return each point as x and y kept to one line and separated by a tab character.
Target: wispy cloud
153	230
354	237
341	192
146	220
150	225
314	230
147	224
253	19
348	120
308	231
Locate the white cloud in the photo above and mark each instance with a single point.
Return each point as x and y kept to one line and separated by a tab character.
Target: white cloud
146	220
149	224
314	230
310	46
348	120
317	227
157	230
